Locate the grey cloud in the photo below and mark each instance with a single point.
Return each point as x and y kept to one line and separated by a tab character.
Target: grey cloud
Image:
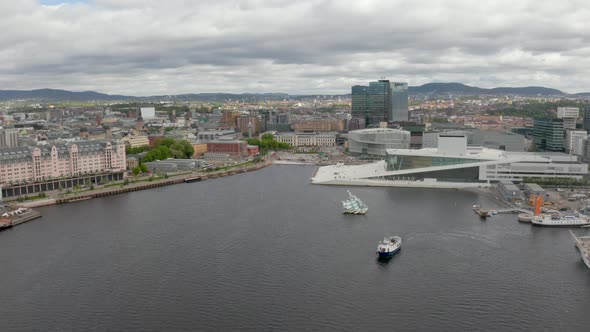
179	46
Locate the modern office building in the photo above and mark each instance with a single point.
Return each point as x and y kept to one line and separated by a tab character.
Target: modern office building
374	142
586	115
569	115
381	101
8	138
548	134
453	164
399	102
574	141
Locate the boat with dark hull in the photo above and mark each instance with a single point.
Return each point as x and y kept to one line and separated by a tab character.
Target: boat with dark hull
389	247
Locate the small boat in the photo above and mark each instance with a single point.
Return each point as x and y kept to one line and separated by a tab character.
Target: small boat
389	247
354	205
483	213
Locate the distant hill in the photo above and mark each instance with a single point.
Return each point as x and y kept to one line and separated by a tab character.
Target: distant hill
462	89
53	95
57	95
49	95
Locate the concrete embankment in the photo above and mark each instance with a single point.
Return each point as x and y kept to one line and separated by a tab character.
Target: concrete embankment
140	186
22	218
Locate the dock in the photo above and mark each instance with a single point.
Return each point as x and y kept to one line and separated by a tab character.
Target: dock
22	218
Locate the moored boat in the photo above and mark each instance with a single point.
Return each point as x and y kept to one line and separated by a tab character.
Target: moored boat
558	220
481	212
583	245
389	247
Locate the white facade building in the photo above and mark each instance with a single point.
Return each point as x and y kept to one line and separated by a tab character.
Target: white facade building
574	141
305	139
9	138
569	115
453	165
148	112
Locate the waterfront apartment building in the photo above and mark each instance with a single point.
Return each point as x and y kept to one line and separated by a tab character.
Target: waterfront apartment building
8	138
548	134
34	164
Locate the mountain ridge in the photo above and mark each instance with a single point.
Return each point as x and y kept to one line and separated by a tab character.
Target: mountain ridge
451	88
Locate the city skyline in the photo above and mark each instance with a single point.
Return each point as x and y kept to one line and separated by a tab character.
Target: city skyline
144	48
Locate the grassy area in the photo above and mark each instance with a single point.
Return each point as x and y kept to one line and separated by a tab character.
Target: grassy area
27	198
225	168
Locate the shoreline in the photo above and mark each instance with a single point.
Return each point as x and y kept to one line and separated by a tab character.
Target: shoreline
186	178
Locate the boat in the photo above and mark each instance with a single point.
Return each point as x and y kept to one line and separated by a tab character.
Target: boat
558	220
481	212
583	245
525	217
389	247
354	205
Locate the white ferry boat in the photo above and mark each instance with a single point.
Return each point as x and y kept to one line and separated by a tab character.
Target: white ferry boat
389	247
557	220
583	245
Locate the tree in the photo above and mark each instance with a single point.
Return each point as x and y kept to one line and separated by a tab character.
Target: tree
143	168
136	170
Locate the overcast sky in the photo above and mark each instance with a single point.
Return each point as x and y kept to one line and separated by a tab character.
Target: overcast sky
147	47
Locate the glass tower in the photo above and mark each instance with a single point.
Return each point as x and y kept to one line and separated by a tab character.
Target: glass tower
548	134
399	102
372	103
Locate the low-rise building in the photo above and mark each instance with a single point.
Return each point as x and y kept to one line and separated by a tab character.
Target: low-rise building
175	165
200	149
136	141
307	139
237	149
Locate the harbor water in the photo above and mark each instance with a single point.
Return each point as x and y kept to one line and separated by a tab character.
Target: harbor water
267	250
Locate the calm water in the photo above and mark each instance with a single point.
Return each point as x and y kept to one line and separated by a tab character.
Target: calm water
269	251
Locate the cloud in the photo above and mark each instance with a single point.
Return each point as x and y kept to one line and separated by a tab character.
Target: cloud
146	47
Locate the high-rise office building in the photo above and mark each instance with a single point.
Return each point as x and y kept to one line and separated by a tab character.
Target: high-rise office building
399	102
586	115
548	134
372	103
9	138
381	101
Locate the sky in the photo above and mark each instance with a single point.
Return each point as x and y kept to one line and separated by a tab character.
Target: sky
157	47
